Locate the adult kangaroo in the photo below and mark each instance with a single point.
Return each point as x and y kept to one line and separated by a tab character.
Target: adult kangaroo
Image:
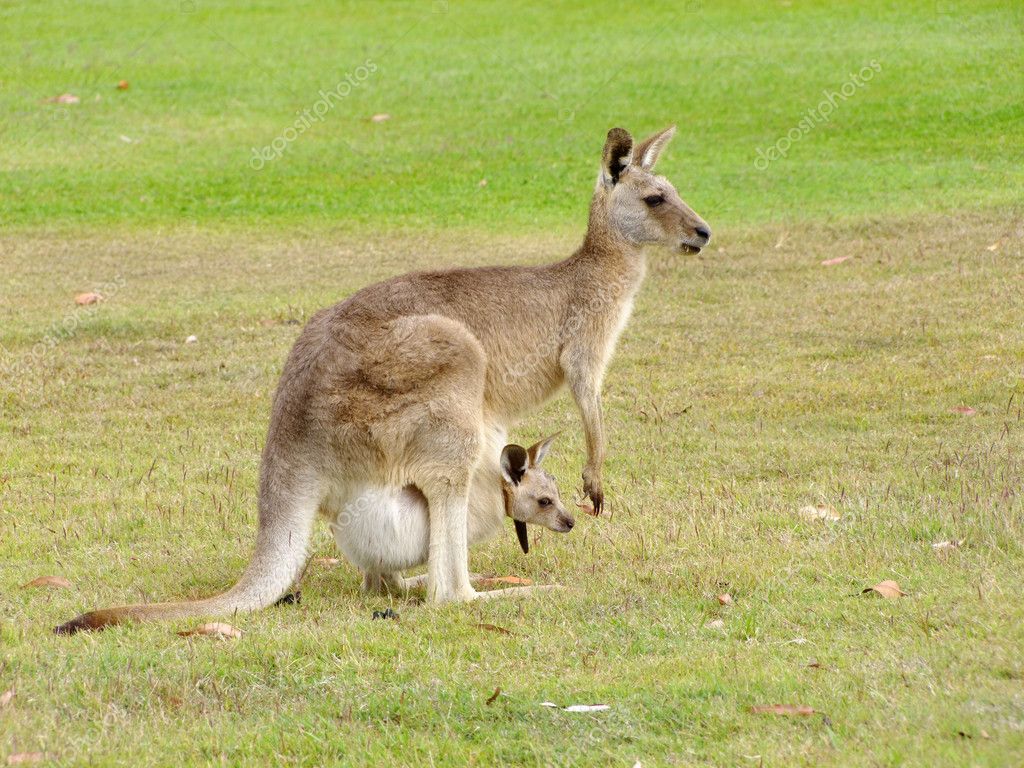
413	381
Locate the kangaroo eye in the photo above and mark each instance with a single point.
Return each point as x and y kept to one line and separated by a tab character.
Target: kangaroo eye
545	502
654	200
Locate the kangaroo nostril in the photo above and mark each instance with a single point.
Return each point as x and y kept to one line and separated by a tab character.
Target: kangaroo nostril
703	232
569	523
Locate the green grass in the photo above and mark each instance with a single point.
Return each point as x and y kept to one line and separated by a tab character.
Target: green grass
520	99
751	382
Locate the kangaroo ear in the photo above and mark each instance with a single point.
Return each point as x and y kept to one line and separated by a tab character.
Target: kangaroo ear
539	450
523	536
650	148
618	154
514	461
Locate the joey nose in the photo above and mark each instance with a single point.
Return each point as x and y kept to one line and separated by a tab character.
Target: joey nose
568	522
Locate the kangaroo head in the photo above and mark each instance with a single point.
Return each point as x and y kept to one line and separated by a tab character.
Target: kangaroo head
531	495
640	206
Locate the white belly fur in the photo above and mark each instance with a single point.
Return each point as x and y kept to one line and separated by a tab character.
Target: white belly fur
386	529
383	530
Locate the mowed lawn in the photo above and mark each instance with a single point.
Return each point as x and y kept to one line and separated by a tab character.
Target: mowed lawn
886	386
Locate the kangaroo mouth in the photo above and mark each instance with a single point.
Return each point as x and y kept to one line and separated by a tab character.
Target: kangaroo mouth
687	248
565	524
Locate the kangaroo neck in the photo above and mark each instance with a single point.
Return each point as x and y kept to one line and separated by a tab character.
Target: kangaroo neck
606	258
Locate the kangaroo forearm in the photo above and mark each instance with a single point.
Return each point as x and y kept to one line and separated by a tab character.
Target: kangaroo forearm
590	411
593	426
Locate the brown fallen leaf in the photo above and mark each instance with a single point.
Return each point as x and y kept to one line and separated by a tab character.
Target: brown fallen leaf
85	299
5	698
122	85
819	512
888	589
951	544
25	758
330	562
587	509
56	582
214	629
716	624
964	410
494	697
833	262
993	247
380	118
495	628
725	599
782	709
492	580
815	664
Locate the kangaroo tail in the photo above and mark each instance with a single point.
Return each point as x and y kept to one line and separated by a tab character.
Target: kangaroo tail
287	510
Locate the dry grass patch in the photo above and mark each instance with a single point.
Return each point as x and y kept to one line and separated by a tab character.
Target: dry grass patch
753	382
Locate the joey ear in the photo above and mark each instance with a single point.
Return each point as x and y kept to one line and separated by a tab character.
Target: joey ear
650	148
539	450
618	154
514	461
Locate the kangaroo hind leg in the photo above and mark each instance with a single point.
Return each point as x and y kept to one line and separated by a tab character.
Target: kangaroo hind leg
442	446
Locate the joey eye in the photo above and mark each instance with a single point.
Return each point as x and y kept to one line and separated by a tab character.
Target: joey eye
654	201
545	502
